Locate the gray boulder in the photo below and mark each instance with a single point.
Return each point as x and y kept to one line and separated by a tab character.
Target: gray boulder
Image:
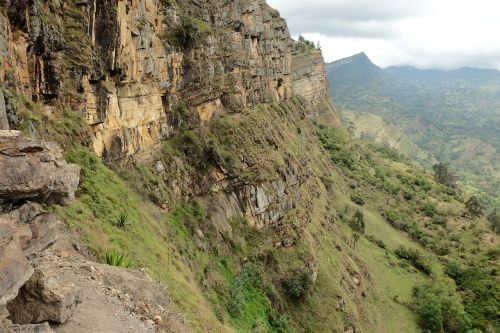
44	298
35	170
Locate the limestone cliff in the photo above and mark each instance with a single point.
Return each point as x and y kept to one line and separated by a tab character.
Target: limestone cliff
310	81
130	78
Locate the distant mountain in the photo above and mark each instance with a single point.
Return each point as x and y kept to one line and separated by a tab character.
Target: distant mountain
471	75
454	116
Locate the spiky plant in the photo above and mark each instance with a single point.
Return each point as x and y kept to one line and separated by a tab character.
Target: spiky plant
114	258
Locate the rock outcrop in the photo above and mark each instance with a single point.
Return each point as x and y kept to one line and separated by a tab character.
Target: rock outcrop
310	81
43	279
35	170
136	85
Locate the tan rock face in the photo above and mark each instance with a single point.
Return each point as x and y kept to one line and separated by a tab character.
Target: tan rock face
14	268
135	79
310	82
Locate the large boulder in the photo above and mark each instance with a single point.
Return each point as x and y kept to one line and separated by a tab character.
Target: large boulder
35	170
15	270
44	298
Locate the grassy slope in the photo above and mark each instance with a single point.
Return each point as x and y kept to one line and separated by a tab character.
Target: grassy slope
381	178
151	238
164	243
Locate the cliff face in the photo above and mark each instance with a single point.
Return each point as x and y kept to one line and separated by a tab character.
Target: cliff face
195	101
122	66
310	81
129	77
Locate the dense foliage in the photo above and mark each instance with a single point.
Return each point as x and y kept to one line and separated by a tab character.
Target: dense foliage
450	116
465	298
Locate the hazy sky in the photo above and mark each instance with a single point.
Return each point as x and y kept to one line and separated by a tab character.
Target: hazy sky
424	33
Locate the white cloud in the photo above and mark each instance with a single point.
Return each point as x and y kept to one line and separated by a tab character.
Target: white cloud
425	33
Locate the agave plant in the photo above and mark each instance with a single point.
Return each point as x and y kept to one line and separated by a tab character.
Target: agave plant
116	259
122	221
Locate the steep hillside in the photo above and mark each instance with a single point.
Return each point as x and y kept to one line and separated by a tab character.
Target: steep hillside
453	116
211	164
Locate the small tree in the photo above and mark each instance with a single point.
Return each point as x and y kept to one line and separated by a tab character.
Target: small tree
358	222
474	207
354	239
494	221
444	175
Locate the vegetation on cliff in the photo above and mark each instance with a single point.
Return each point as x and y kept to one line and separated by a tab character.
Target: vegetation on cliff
212	177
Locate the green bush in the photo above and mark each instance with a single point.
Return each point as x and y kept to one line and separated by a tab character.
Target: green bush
184	35
380	243
243	289
494	221
439	308
428	209
480	293
357	223
415	258
335	142
440	220
298	285
357	200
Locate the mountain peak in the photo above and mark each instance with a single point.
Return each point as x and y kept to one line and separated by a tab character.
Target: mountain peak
356	59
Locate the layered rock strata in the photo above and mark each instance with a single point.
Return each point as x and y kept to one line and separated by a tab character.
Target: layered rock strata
132	78
310	81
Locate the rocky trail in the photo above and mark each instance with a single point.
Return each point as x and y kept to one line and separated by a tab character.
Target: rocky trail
47	284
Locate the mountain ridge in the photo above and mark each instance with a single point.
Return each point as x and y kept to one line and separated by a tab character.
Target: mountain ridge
459	109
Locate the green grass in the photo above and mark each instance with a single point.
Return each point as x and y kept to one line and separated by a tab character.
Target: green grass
150	239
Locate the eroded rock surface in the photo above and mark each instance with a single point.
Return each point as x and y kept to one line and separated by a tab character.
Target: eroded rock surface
44	298
35	170
310	81
133	80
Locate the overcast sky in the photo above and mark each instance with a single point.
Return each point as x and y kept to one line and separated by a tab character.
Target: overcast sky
443	34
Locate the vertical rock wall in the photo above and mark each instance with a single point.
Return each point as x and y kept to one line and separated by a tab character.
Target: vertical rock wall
128	76
310	82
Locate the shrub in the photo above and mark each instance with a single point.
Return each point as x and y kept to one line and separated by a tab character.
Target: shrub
429	312
443	175
335	142
428	209
392	216
474	207
115	259
415	258
243	288
298	285
408	194
280	323
357	200
77	46
357	222
439	308
494	221
440	220
184	35
480	293
380	243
